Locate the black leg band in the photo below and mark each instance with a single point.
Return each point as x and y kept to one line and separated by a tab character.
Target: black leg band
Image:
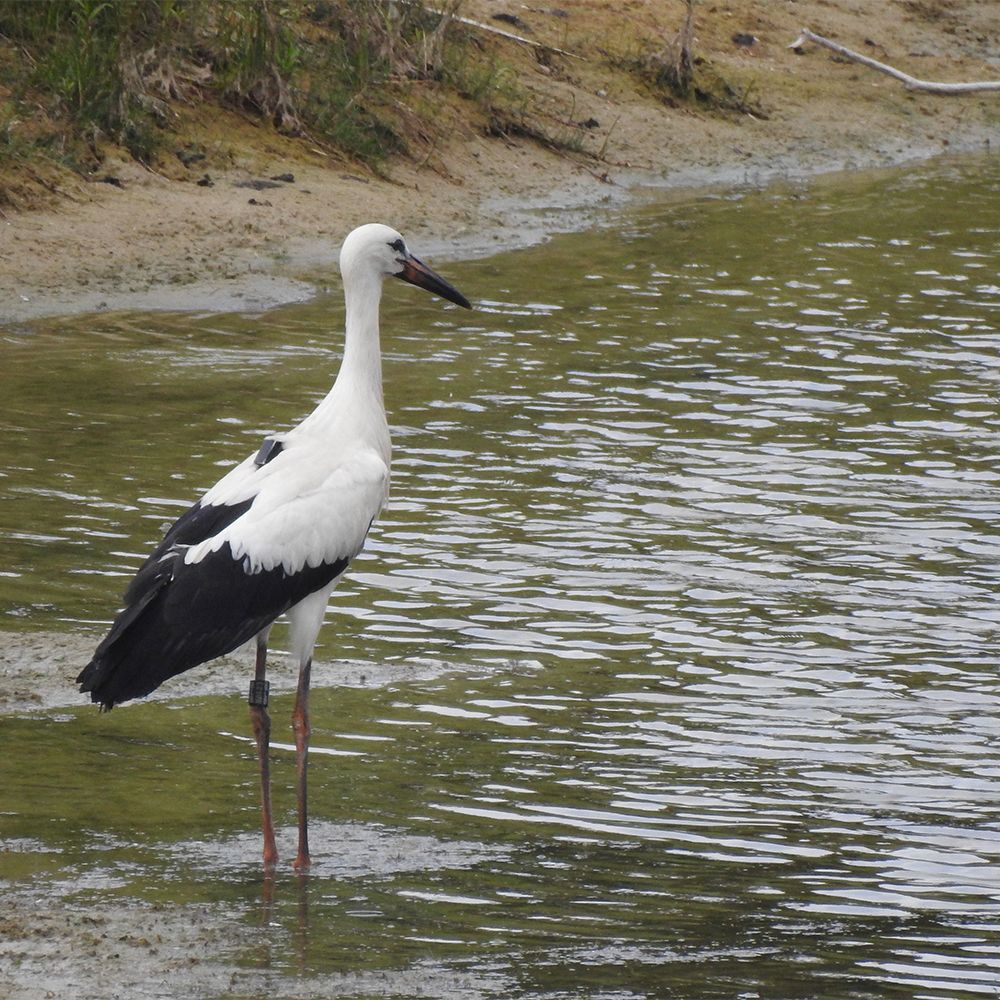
258	693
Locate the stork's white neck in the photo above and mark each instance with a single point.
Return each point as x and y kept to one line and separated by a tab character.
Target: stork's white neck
362	363
353	409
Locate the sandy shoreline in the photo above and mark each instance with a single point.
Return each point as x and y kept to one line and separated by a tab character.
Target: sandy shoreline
258	278
149	242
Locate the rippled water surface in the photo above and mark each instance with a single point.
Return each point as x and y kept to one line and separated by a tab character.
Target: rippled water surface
700	511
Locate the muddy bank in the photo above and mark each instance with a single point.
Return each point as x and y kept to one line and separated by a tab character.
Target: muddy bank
246	277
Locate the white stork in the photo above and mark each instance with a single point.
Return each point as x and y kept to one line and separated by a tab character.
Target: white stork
274	535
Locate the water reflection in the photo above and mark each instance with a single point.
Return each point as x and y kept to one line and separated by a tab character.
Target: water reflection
709	535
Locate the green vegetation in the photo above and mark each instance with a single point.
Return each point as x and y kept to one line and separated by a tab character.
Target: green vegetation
365	78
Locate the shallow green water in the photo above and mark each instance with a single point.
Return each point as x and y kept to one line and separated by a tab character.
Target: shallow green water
702	508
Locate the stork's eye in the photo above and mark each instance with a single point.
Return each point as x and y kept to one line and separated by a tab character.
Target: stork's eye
398	246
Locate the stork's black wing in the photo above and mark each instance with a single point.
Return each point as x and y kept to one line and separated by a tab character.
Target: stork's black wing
195	525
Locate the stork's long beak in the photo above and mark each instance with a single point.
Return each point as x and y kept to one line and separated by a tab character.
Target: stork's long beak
416	272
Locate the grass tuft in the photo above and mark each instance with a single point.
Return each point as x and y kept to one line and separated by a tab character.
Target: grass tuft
367	78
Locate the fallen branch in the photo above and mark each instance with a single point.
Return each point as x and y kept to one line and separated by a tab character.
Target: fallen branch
910	81
480	26
520	39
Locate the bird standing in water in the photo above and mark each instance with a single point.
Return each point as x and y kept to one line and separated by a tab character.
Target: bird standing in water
274	535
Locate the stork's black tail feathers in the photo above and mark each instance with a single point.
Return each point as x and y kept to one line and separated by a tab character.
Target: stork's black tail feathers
92	680
120	669
129	663
180	614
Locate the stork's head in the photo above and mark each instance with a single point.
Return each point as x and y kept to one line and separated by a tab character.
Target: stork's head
379	249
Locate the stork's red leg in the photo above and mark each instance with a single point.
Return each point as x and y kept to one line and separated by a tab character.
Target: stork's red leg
262	734
300	723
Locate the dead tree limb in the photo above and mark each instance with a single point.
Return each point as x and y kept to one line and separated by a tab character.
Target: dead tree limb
489	29
509	35
910	81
